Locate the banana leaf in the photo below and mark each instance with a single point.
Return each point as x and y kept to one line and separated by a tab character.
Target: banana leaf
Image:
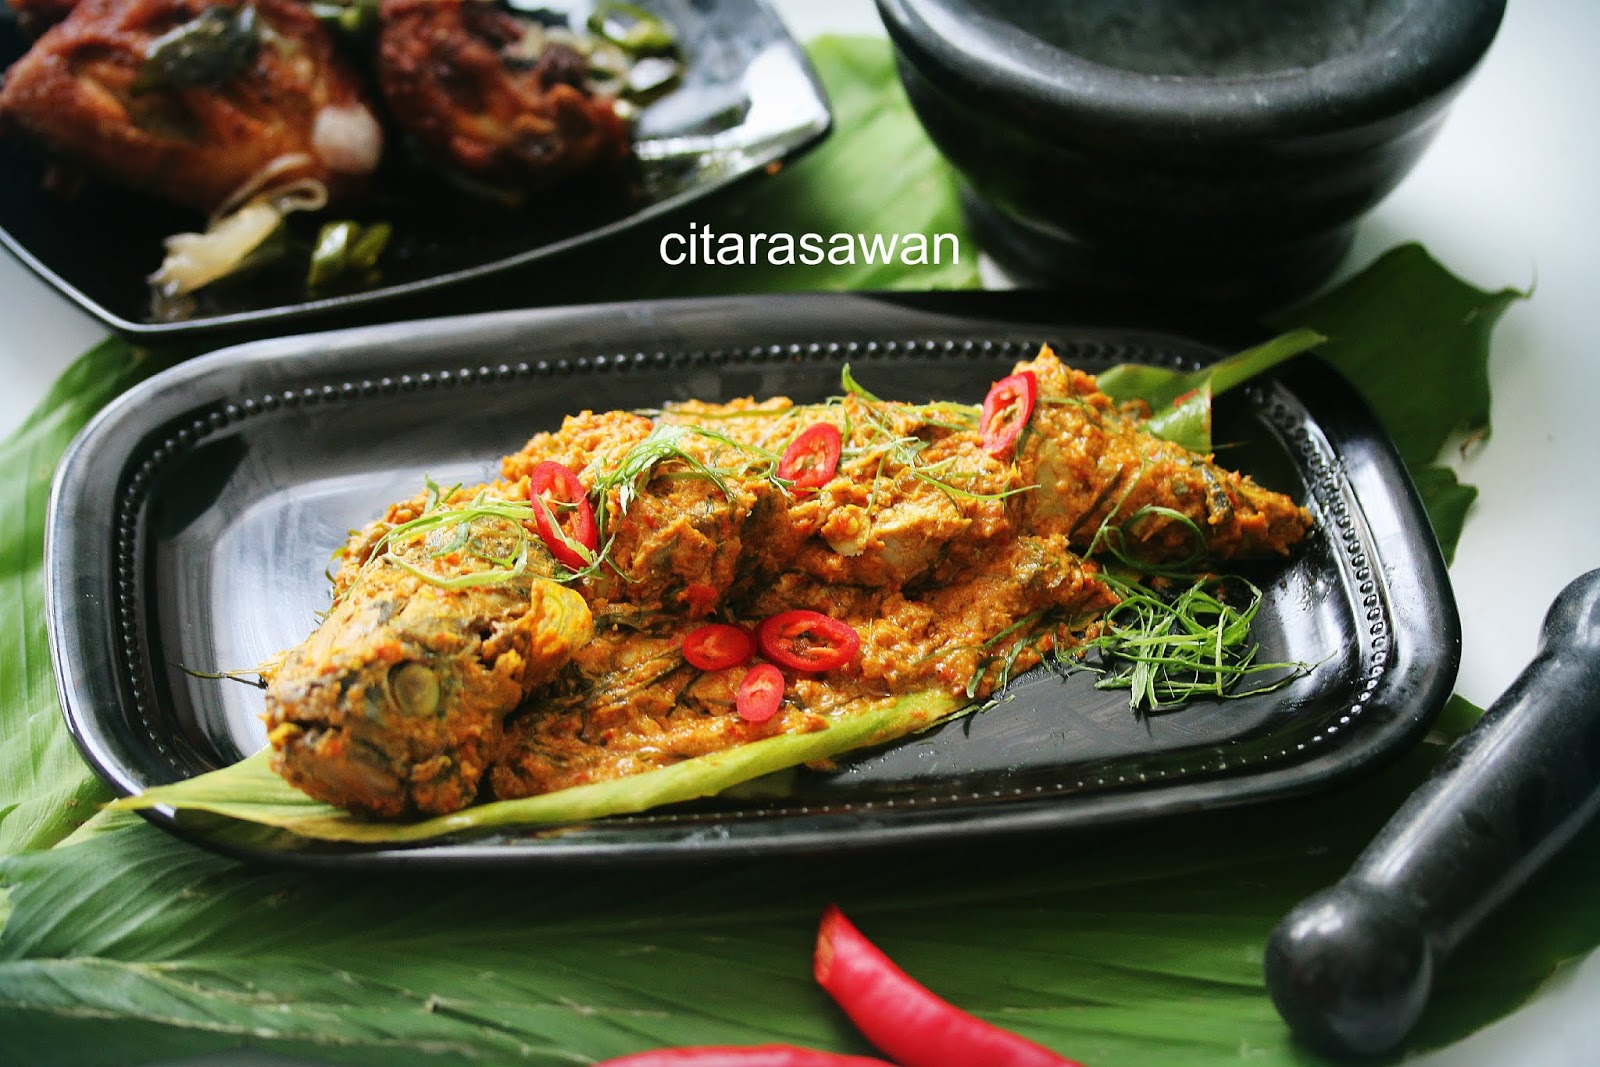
45	789
1414	341
1180	401
1133	945
1136	945
249	791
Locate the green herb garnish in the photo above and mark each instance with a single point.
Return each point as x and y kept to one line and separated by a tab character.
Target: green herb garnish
906	450
663	444
1166	650
345	257
459	529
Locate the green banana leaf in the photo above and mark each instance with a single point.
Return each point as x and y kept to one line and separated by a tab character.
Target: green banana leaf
249	791
1180	401
45	789
1425	372
1135	945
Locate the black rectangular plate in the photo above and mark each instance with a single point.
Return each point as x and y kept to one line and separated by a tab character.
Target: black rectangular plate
749	98
192	521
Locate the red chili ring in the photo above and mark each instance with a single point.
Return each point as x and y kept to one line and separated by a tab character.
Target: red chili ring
812	458
760	694
718	646
809	641
1006	411
578	529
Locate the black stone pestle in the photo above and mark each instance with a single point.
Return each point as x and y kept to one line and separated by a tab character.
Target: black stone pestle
1350	968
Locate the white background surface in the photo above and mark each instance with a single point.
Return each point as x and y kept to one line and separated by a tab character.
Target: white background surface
1509	194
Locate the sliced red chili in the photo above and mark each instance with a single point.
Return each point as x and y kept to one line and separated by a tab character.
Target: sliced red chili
807	640
760	693
812	458
1006	411
741	1056
565	518
902	1017
718	646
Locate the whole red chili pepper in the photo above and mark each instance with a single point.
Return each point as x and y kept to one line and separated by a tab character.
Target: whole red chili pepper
903	1018
741	1056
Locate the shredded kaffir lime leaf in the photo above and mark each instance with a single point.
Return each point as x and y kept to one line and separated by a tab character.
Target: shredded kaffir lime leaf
1169	649
442	530
905	451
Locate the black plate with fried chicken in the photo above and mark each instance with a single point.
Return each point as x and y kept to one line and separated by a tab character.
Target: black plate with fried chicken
301	159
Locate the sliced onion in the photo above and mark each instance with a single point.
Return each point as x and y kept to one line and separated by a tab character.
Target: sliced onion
253	186
197	259
194	260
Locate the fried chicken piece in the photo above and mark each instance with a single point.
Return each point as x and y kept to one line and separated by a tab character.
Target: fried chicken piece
456	78
192	99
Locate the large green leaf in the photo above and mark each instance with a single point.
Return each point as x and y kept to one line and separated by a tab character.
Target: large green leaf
250	792
1129	946
1426	371
1414	340
45	789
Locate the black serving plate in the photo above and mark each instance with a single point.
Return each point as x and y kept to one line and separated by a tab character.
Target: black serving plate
749	98
191	523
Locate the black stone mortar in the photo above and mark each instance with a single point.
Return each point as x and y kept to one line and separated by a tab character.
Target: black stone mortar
1206	150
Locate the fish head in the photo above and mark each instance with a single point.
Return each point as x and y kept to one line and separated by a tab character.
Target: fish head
394	706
